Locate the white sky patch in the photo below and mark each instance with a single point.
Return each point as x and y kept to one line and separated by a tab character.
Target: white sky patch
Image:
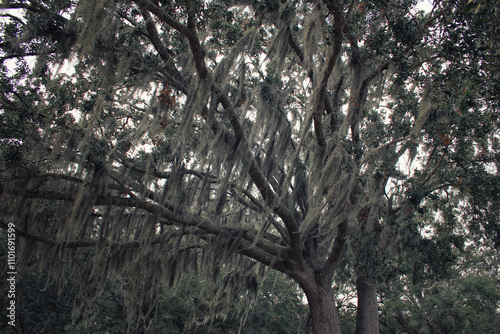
68	66
425	5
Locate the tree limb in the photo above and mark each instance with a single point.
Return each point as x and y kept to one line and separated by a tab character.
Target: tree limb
162	50
187	31
262	183
258	248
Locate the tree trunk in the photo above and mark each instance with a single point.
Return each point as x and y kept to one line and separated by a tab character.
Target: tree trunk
324	314
367	315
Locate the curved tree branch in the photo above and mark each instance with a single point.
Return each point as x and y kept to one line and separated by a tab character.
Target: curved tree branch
262	183
265	249
187	31
178	79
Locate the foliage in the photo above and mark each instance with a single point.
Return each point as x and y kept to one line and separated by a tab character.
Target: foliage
44	307
465	302
332	141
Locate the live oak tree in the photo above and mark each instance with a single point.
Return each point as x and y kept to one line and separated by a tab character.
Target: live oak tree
314	138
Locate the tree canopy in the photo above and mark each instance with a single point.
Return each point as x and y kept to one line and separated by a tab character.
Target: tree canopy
333	141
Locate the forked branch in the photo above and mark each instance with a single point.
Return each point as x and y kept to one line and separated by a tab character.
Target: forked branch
186	31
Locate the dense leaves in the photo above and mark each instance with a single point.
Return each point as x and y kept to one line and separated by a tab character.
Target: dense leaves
45	307
342	143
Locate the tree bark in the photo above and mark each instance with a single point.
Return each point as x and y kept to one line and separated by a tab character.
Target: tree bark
323	312
367	315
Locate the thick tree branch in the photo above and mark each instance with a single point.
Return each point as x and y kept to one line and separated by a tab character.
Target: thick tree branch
187	31
93	243
163	52
323	80
337	250
320	103
333	109
217	128
300	54
262	183
327	104
257	205
256	247
434	170
13	17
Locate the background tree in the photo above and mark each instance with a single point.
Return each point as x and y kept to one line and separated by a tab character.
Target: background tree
42	306
464	302
316	138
